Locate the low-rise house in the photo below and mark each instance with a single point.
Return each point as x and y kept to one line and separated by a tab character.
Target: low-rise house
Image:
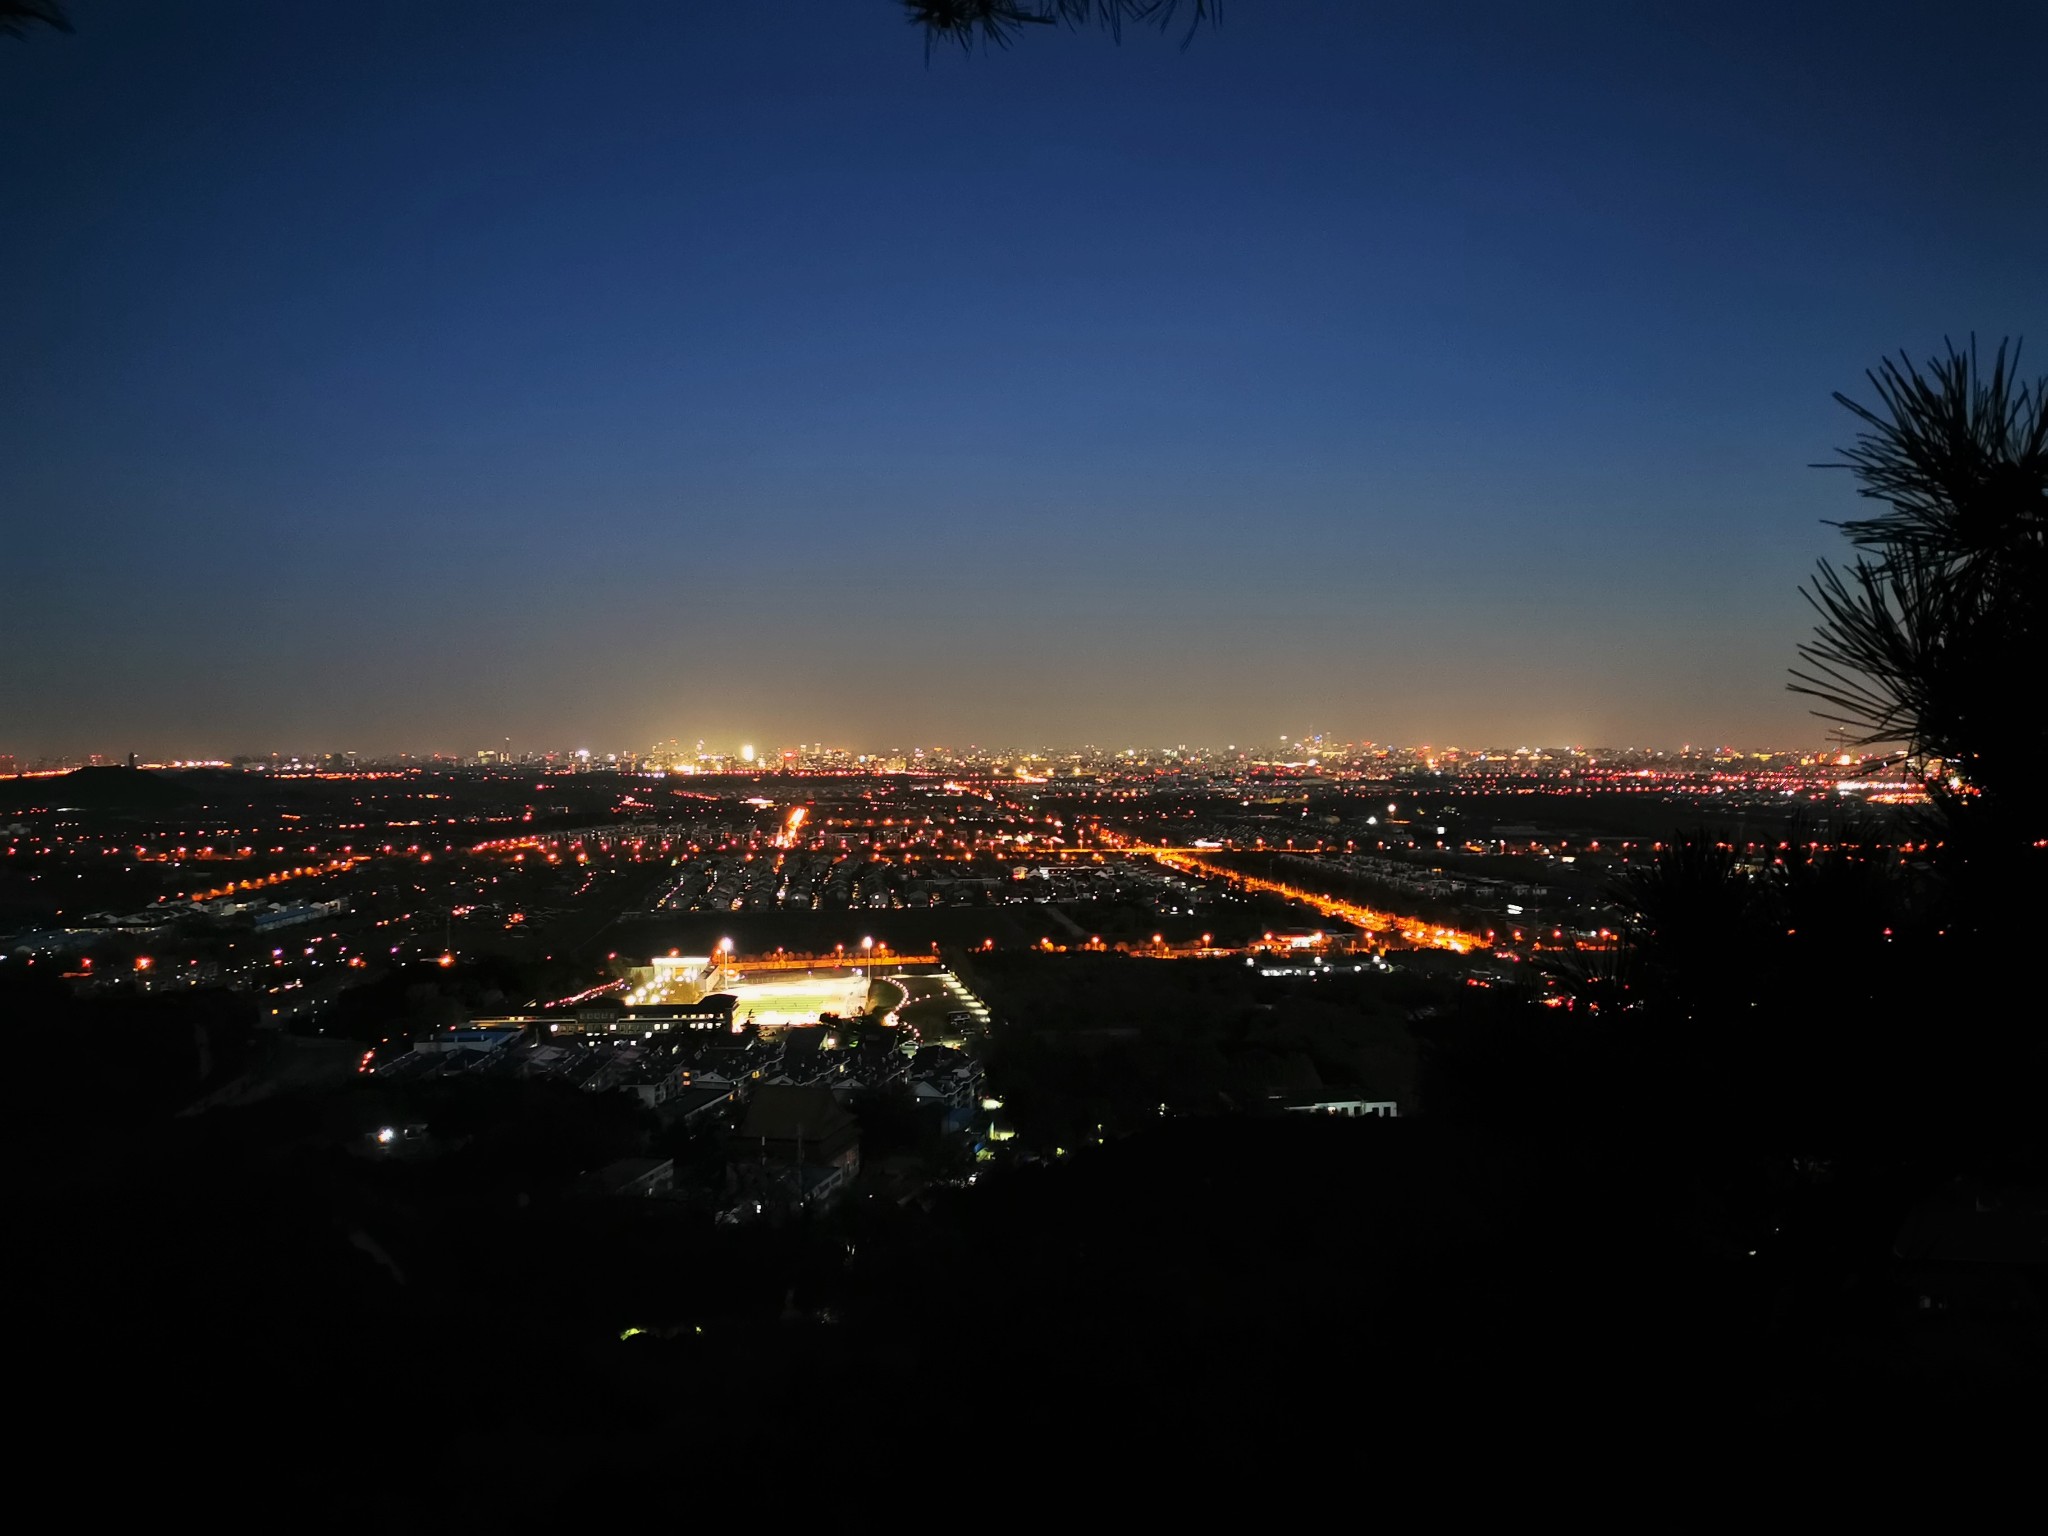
941	1075
795	1145
636	1177
1344	1106
470	1037
942	1090
655	1082
700	1104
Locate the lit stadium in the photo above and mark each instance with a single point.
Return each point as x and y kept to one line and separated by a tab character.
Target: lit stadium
792	998
769	998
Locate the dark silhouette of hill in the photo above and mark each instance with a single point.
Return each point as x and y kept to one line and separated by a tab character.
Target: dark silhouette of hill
137	790
227	786
147	791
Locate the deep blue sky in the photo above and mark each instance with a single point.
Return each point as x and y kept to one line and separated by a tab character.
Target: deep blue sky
412	376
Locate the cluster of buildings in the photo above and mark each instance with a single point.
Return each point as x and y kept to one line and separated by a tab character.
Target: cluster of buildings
1428	881
260	916
780	1102
808	880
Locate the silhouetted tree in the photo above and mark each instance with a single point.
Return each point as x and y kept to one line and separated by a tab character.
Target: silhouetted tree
17	16
995	23
1946	602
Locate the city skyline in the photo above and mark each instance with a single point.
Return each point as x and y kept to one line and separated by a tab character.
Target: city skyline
743	757
1820	738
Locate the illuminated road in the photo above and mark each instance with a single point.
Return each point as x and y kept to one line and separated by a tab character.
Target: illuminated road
259	882
1413	930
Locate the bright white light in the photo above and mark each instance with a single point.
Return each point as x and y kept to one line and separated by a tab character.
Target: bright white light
387	1135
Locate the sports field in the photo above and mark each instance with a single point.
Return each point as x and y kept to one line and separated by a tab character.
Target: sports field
783	998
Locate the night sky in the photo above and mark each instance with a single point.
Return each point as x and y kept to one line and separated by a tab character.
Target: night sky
415	376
